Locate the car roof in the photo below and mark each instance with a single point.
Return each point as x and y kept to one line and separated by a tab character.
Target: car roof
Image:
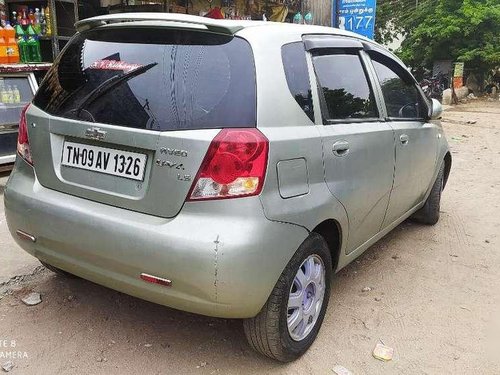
230	27
246	28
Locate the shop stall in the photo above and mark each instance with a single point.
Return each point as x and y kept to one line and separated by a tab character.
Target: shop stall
18	84
32	33
298	11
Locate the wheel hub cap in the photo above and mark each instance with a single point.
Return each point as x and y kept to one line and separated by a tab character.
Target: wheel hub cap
306	297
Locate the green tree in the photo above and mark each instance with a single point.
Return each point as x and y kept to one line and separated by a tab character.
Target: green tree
458	30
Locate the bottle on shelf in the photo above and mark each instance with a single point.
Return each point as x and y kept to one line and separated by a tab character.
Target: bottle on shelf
48	20
43	27
33	47
37	15
23	49
16	94
298	18
43	22
31	17
308	18
36	24
24	19
12	48
10	95
21	43
14	18
3	93
4	57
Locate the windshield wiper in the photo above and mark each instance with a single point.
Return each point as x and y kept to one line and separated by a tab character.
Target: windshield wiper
108	85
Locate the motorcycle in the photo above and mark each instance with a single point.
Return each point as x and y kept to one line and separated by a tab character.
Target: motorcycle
433	87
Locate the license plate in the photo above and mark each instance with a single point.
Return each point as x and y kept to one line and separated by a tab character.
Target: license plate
104	160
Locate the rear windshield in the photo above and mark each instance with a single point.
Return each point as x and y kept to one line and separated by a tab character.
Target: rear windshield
157	79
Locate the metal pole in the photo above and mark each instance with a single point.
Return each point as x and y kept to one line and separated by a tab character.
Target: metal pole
335	18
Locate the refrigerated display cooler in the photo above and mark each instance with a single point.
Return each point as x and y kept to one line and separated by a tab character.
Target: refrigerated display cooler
18	84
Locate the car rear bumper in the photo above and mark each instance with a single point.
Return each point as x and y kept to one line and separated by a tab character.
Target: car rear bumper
223	257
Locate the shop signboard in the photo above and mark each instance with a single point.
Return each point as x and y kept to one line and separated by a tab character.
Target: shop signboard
355	15
458	75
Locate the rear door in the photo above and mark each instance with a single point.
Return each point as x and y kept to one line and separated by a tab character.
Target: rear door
358	146
126	114
416	139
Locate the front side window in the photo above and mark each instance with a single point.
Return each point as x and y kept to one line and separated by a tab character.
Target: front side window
401	96
344	88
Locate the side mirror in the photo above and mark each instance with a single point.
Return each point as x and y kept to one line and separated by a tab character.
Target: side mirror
436	110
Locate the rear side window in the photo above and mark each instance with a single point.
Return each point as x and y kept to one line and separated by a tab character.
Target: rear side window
157	79
344	88
297	76
401	96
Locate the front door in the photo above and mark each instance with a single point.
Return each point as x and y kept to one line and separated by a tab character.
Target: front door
358	147
416	140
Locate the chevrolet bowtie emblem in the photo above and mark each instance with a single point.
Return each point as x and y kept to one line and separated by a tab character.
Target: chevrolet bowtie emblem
95	133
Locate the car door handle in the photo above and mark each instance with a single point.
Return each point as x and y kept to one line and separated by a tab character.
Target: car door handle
404	139
340	148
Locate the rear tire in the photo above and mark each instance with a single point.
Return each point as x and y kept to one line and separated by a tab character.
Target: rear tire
58	271
300	295
429	213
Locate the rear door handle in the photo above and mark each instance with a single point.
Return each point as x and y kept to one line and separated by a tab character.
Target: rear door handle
404	139
340	148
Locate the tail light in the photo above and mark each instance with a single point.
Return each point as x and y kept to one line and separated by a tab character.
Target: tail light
23	146
234	166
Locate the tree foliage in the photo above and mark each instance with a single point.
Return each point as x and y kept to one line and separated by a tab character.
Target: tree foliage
458	30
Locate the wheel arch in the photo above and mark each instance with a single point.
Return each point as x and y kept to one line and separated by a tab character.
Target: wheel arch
331	231
447	167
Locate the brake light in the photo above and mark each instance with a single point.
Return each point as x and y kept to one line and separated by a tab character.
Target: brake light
234	166
23	146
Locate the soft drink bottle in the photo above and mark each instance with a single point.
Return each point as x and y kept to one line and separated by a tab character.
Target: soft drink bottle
31	17
1	90
23	49
37	52
48	20
43	23
37	26
24	19
33	45
4	94
297	18
20	43
16	94
308	18
34	49
10	95
37	15
12	49
30	31
4	58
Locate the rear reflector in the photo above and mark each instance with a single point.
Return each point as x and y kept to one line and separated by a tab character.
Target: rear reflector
155	280
25	236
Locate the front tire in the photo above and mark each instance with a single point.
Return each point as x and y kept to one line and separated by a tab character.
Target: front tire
290	320
429	213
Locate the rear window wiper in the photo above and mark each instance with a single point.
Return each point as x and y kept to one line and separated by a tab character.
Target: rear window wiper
108	85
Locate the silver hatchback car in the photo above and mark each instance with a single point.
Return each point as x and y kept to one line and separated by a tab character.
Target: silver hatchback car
226	168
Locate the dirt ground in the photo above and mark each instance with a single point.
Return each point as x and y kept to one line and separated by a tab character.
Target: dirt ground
435	297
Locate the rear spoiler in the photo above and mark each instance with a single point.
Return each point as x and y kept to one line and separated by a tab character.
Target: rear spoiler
229	27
